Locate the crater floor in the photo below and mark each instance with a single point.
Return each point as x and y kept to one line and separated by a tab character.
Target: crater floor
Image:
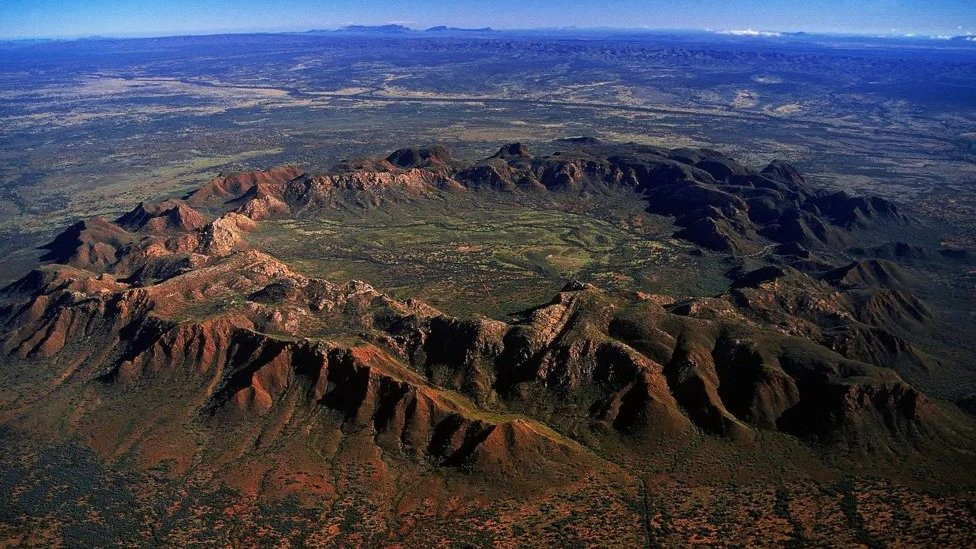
494	255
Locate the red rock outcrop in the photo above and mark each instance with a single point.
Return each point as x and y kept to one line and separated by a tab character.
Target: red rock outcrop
229	187
184	302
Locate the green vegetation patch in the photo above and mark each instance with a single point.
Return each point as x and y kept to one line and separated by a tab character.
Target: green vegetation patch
493	254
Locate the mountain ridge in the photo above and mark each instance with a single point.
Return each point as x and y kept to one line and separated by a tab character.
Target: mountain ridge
173	298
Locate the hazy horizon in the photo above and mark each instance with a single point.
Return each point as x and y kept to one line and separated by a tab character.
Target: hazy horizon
25	19
743	32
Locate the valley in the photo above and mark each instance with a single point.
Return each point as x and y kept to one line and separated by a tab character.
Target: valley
494	255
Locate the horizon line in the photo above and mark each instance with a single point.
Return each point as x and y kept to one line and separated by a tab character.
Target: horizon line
747	32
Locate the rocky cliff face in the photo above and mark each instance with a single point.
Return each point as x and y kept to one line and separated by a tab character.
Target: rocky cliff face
172	294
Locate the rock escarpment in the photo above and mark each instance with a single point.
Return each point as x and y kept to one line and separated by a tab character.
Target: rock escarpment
172	293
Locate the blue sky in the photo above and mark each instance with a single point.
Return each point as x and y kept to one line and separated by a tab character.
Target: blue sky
65	18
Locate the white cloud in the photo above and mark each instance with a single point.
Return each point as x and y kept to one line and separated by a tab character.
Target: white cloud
749	32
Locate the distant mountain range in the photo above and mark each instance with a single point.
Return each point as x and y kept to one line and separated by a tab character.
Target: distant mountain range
400	29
